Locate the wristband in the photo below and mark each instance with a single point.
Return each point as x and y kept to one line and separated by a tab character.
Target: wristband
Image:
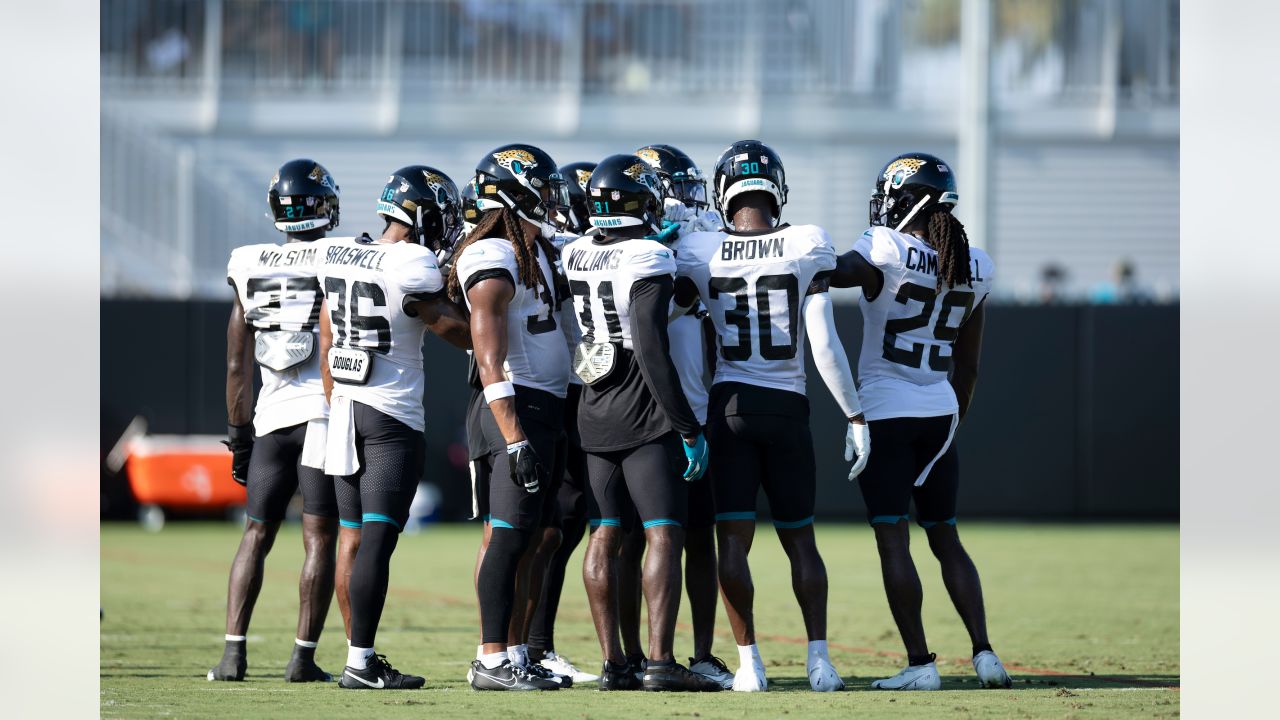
512	447
498	390
240	433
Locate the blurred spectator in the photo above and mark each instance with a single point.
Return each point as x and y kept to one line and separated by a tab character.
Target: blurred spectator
1124	287
168	52
1053	281
313	39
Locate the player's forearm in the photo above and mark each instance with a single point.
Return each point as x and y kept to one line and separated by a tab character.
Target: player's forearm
829	355
964	380
490	356
326	342
652	347
239	370
448	321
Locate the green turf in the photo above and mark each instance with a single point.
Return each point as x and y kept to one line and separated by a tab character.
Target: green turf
1085	616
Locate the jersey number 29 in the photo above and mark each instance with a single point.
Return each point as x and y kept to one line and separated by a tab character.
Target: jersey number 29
942	332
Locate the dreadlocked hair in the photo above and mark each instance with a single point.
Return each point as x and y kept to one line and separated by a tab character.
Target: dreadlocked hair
948	238
504	223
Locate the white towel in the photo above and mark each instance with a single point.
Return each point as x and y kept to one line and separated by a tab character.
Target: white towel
951	434
313	446
340	450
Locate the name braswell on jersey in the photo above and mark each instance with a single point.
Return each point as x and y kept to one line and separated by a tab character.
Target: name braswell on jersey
909	328
753	284
537	355
367	285
278	291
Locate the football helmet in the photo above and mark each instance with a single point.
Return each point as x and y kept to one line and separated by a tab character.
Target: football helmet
575	216
625	192
427	201
909	184
470	213
525	179
748	166
681	178
303	196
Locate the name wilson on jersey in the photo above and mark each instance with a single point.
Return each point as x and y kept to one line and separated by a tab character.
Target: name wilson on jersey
587	260
275	258
927	262
369	259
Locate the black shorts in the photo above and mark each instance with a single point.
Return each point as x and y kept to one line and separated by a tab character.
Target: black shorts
702	499
276	471
644	480
498	499
575	489
902	449
392	456
759	438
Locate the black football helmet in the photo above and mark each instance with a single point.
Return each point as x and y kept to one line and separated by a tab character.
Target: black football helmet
427	201
625	192
525	179
303	196
470	213
681	178
908	184
574	218
748	166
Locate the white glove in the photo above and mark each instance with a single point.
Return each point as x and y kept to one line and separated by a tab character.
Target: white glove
676	211
858	438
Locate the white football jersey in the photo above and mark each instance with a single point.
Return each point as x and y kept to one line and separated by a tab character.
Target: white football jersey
278	290
909	328
753	285
685	333
600	278
537	356
366	285
564	304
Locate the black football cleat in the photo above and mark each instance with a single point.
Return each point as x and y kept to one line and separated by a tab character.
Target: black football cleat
379	675
537	670
635	664
233	665
619	677
304	669
507	677
671	676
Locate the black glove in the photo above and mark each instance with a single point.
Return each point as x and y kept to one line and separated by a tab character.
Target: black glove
526	470
240	441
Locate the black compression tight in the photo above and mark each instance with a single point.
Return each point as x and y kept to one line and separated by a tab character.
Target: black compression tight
369	577
496	583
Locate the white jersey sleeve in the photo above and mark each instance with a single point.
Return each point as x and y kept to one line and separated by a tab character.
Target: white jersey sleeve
278	291
910	326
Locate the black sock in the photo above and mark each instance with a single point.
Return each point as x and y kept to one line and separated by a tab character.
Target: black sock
536	654
921	659
985	647
665	664
304	653
234	647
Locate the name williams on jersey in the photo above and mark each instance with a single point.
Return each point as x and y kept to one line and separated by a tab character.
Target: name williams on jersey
927	262
589	260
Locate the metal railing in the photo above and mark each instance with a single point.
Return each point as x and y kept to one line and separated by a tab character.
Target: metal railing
1067	51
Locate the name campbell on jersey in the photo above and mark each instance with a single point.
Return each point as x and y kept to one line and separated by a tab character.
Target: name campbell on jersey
753	285
909	328
367	285
278	290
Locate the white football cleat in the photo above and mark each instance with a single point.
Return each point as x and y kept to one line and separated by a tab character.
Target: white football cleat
991	672
914	677
823	676
713	668
560	665
750	678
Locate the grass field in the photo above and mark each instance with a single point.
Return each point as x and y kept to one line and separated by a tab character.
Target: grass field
1084	616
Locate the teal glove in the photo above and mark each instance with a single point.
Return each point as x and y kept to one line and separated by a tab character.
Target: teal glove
670	233
696	454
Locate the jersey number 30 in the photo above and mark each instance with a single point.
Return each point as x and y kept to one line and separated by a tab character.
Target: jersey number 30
739	316
942	332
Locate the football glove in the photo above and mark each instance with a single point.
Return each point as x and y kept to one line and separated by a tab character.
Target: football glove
696	454
240	442
526	470
857	439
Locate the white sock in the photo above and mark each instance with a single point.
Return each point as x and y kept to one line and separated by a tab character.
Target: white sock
304	643
358	657
493	660
518	654
818	651
479	652
748	655
235	638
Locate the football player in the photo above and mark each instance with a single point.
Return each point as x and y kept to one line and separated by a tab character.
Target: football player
504	273
274	320
765	286
687	210
381	295
923	289
642	439
572	495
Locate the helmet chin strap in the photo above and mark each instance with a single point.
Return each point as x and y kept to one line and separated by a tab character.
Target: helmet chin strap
914	210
